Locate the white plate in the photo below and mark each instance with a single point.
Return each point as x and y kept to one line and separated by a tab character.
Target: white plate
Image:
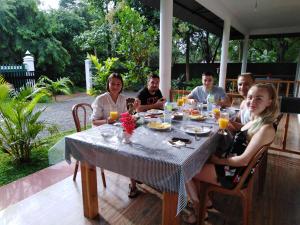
191	129
155	111
197	117
159	126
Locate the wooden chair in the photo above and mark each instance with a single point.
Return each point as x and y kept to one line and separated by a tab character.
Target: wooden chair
81	124
263	168
243	189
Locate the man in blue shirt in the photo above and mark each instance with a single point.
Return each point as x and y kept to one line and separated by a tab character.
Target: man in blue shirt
200	93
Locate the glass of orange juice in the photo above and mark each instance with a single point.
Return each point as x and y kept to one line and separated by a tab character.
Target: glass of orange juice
223	122
216	112
180	102
113	115
184	99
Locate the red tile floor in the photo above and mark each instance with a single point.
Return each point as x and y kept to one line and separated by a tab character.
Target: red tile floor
27	186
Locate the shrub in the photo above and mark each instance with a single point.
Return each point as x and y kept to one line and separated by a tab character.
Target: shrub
20	124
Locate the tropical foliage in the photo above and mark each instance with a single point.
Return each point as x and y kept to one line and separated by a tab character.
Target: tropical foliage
102	73
20	124
61	85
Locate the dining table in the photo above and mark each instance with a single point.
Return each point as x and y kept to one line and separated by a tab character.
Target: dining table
150	157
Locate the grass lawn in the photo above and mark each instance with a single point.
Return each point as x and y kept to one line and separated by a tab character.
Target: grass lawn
10	171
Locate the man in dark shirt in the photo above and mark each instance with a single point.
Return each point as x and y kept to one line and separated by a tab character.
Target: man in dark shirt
150	96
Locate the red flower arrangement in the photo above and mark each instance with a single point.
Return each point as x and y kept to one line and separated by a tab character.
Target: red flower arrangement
128	122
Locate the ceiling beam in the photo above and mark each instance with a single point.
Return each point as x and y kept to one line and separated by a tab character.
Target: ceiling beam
277	30
219	9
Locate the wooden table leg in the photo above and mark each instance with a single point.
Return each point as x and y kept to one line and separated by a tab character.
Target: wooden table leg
89	190
170	201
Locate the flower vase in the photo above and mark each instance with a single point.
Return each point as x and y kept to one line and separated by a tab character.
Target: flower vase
126	137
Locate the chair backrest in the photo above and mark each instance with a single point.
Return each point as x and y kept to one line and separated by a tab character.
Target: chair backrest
81	123
174	94
254	164
277	121
130	105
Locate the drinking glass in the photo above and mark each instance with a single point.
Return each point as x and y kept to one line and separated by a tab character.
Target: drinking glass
223	123
184	99
200	107
113	115
180	102
216	111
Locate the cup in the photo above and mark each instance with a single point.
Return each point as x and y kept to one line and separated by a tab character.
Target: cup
223	123
216	111
114	115
184	99
200	107
180	102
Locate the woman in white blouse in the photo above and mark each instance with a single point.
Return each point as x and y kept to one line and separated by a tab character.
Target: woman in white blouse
112	100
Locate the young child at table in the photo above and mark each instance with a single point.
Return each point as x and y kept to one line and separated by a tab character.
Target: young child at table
263	106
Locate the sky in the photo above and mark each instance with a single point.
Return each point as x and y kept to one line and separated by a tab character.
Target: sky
49	4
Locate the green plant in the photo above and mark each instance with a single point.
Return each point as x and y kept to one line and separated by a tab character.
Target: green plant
102	71
180	84
190	85
61	85
10	171
136	76
20	124
2	80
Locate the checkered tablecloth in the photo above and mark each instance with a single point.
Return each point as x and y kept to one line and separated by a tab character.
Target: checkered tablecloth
148	158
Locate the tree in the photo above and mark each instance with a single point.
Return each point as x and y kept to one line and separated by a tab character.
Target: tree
134	41
267	50
30	31
66	25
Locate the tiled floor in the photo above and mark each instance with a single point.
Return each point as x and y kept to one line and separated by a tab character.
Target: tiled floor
51	197
27	186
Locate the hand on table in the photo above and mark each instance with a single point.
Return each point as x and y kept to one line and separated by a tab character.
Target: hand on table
110	120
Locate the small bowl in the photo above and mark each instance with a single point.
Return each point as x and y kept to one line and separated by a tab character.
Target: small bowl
106	134
178	116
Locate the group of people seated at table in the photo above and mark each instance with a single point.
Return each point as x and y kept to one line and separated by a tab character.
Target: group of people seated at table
253	126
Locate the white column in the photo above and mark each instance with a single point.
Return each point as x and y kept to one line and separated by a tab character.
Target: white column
224	53
165	46
88	75
245	54
28	61
297	78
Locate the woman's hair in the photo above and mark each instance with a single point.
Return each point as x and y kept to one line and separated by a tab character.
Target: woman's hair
111	76
269	115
